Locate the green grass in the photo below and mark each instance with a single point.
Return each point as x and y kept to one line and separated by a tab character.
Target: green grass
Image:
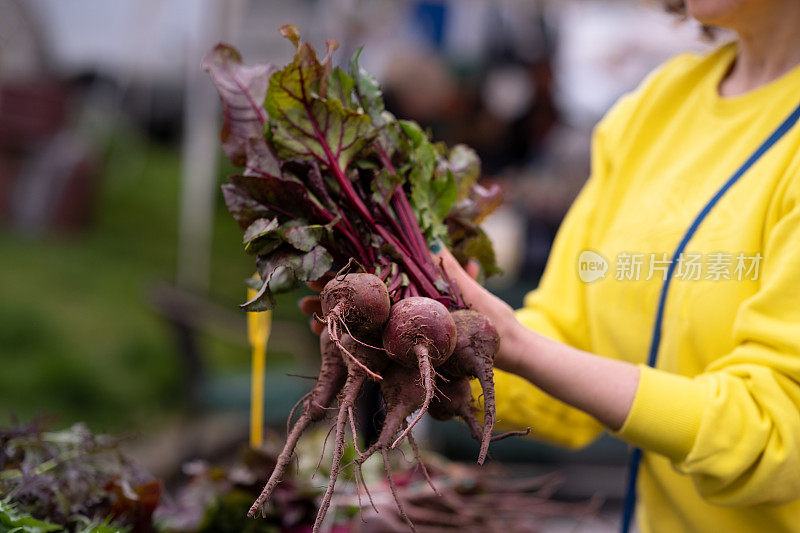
78	338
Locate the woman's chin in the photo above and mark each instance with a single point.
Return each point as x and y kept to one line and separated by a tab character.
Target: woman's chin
722	13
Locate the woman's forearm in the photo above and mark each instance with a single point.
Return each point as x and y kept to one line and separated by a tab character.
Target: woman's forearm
599	386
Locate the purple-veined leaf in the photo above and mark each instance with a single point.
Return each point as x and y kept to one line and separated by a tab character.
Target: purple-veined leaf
260	159
479	204
305	121
244	209
286	196
242	90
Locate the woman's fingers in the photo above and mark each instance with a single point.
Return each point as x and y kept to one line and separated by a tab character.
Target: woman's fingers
473	269
471	290
316	326
310	305
454	268
318	285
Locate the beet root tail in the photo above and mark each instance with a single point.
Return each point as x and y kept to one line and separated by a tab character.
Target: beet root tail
427	374
283	460
338	451
517	433
421	464
392	486
486	379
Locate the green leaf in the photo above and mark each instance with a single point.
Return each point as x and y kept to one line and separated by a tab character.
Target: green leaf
281	270
368	91
262	236
414	132
465	165
12	519
314	264
443	194
432	195
340	87
384	184
260	228
306	238
471	242
266	235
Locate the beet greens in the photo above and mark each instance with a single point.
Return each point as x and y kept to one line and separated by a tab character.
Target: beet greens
330	180
329	175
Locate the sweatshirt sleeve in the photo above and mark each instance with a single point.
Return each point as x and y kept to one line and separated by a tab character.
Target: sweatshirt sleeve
557	308
735	428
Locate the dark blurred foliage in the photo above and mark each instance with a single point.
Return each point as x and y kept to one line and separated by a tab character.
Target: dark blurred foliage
74	479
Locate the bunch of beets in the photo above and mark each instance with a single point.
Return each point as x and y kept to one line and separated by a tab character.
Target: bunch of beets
332	181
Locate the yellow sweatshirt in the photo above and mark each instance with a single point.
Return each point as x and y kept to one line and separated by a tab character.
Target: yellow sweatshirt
719	418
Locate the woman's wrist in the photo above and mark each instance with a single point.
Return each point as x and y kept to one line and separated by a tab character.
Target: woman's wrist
518	346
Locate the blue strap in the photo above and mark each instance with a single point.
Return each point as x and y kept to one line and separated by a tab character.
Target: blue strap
636	454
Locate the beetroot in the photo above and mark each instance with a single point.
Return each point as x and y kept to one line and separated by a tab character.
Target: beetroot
456	400
357	304
359	301
476	346
420	334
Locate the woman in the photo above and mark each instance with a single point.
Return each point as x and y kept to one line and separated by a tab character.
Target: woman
718	419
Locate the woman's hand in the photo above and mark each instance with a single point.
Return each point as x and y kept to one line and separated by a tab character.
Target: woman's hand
311	305
602	387
477	297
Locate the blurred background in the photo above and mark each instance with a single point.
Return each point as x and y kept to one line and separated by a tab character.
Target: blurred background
120	271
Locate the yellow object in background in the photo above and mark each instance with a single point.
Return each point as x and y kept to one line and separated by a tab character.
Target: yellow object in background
258	330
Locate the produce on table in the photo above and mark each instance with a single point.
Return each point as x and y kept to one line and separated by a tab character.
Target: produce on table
476	499
332	181
71	480
480	500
